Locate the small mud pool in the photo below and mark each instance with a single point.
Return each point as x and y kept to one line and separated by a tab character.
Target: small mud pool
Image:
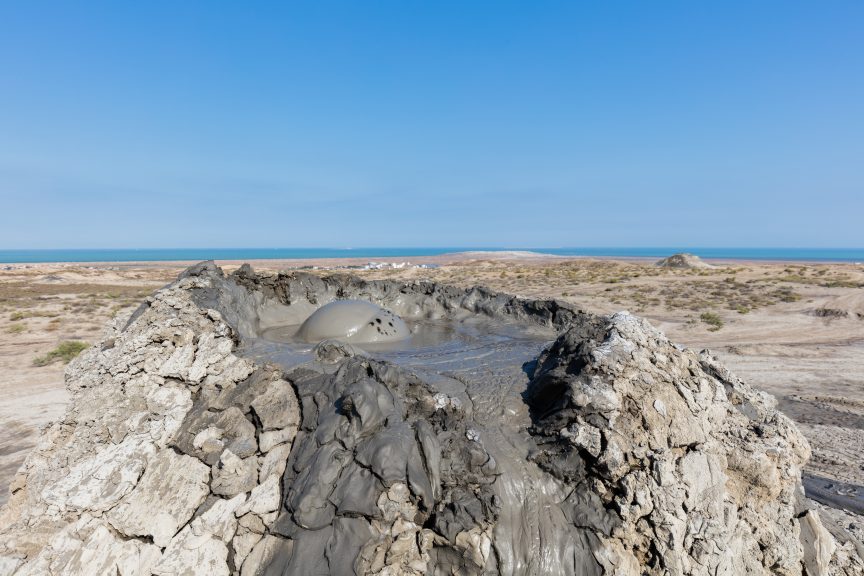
479	361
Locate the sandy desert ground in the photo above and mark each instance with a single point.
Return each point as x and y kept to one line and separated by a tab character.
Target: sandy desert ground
794	330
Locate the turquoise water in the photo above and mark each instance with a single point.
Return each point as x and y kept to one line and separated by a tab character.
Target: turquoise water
197	254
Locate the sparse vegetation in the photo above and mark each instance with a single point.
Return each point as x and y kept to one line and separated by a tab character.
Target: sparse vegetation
64	352
787	295
16	328
645	289
22	314
830	313
713	320
820	278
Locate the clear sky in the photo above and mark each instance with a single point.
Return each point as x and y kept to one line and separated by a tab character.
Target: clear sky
401	123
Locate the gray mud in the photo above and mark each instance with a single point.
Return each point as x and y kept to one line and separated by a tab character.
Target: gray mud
355	321
480	367
813	411
834	494
479	361
443	411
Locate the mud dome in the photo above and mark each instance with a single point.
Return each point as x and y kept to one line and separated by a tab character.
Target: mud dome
352	321
496	436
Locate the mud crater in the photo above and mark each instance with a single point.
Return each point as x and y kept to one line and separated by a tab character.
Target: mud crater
444	372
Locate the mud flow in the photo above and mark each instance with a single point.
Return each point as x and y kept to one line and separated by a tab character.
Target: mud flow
479	366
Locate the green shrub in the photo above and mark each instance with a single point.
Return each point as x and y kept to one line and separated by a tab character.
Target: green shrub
16	328
788	295
32	314
65	352
713	320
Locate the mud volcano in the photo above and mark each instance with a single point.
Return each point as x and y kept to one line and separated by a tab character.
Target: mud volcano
291	424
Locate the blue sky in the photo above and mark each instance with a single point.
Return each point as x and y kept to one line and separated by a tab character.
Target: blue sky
393	123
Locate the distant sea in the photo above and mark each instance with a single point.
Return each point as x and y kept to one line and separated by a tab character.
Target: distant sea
197	254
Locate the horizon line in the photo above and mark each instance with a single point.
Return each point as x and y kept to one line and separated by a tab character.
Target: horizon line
438	247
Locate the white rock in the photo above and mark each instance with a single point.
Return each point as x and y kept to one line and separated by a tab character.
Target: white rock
172	487
8	565
210	437
89	548
263	499
277	407
177	366
274	462
818	544
233	475
243	543
585	436
260	555
172	403
200	548
98	482
267	440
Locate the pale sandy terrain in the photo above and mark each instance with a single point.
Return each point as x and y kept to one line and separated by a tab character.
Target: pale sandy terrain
772	334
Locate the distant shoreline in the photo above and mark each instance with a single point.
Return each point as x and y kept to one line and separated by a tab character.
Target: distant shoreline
356	257
92	256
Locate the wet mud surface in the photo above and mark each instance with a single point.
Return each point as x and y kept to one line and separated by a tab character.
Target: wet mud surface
814	411
482	367
479	361
849	497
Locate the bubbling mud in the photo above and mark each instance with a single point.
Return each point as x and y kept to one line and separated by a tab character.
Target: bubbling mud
353	321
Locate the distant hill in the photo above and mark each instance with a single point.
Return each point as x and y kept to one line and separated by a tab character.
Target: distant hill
683	260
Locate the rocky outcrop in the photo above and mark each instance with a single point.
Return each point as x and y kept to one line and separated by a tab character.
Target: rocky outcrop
136	478
702	471
614	452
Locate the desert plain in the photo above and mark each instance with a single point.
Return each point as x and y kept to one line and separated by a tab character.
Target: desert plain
794	330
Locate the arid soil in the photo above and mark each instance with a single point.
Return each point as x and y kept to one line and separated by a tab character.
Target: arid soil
794	330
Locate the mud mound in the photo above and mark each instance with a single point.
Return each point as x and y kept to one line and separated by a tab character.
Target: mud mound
683	260
505	436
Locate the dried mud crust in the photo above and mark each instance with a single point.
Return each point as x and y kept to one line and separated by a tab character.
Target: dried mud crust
181	454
